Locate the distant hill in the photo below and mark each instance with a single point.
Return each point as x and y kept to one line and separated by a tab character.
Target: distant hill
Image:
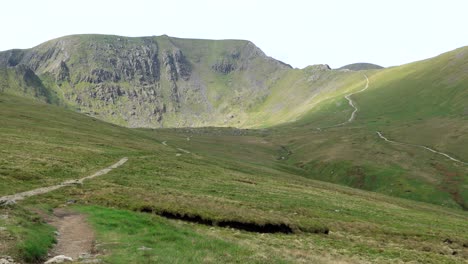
361	66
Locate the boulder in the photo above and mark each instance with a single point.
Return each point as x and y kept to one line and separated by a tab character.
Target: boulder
7	260
59	259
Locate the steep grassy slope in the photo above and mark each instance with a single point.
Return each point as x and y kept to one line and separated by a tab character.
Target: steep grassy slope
260	180
57	144
299	92
420	103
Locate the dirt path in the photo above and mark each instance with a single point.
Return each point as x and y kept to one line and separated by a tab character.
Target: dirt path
353	114
183	150
421	146
11	199
351	103
75	236
179	149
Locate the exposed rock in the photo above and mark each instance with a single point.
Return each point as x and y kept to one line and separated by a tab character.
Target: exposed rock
183	66
15	57
7	203
224	66
63	72
136	83
59	259
7	260
101	75
170	68
88	258
176	65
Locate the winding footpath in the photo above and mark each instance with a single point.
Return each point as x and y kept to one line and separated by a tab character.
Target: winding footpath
421	146
179	149
11	199
353	116
351	103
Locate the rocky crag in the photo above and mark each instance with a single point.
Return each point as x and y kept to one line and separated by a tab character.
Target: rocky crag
148	81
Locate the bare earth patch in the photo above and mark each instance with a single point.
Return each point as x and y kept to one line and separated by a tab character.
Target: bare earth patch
76	237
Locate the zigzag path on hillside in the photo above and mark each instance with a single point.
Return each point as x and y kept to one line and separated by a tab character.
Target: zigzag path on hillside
11	199
353	116
351	103
421	146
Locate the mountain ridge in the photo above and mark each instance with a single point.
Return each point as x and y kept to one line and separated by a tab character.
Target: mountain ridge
157	81
361	66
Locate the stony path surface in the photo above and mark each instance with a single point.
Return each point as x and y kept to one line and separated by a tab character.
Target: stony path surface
179	149
421	146
183	150
11	199
75	237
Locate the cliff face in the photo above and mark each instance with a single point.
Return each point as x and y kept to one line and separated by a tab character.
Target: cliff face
149	81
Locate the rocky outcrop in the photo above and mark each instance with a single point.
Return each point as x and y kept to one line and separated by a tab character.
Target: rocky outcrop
63	73
176	65
140	66
182	65
316	71
224	66
146	82
59	259
7	260
177	68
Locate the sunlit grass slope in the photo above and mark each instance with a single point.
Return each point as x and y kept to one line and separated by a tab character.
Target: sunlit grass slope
205	184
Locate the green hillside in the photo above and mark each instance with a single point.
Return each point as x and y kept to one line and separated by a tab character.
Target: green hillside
57	144
170	82
422	103
233	156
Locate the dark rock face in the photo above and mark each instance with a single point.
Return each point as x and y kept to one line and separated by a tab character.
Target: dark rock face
183	66
224	67
140	65
63	72
176	65
106	92
15	57
100	76
229	63
148	81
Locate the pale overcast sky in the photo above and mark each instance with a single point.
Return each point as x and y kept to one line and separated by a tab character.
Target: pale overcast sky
298	32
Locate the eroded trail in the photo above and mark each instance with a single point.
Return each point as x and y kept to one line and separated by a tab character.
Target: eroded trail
11	199
348	97
421	146
179	149
351	103
353	116
75	237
